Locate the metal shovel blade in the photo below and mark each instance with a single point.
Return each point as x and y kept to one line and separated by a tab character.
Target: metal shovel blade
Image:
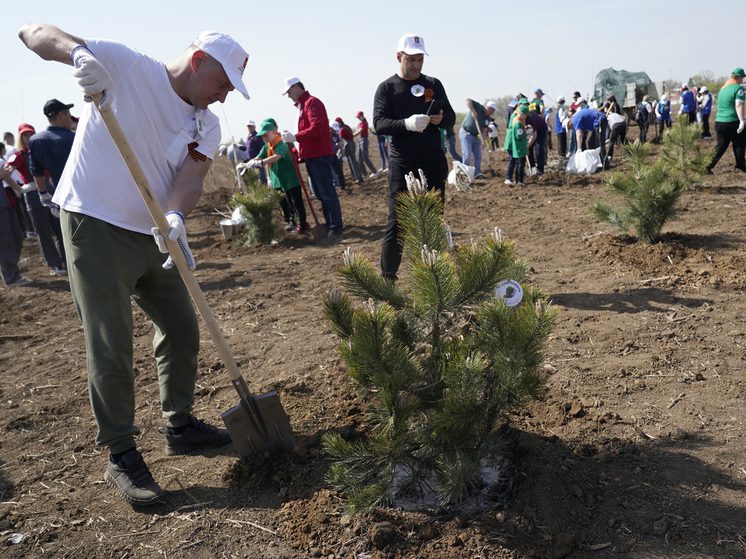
268	428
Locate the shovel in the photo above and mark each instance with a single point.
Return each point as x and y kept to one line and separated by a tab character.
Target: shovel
256	423
318	231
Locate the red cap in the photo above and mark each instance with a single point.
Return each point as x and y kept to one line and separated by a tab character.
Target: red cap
359	114
338	119
25	127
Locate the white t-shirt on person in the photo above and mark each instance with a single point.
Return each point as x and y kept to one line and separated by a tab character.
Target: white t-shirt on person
158	125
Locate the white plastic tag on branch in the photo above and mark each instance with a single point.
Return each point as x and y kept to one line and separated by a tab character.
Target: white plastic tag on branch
449	236
510	291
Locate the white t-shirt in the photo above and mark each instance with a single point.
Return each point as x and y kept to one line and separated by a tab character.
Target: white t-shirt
615	118
159	127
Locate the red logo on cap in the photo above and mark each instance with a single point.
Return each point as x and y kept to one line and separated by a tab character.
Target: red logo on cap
243	66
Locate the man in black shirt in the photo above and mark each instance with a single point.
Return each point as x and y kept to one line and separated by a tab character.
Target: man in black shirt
411	108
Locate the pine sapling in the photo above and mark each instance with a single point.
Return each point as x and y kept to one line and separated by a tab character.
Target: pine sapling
258	204
650	193
684	151
441	359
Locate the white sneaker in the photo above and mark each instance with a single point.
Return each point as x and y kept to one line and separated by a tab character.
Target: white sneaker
373	176
508	182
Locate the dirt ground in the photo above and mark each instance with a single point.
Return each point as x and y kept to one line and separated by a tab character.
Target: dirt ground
637	450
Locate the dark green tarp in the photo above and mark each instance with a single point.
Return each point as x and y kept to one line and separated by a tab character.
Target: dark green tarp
614	82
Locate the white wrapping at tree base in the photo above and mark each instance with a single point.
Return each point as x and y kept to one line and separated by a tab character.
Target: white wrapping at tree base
584	162
461	176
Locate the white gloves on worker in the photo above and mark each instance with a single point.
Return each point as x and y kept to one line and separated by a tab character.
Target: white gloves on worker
416	123
288	137
255	164
46	201
741	126
177	232
91	74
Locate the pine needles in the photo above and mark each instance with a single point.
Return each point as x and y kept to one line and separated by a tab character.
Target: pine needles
651	189
257	206
441	359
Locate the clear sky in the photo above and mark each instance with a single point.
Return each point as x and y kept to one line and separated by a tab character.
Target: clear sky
343	49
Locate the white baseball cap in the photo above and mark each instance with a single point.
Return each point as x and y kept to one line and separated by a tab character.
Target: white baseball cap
560	98
411	44
703	88
581	100
491	105
290	82
250	123
229	53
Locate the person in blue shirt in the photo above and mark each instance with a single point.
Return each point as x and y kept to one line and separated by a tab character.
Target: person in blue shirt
705	109
688	104
559	126
590	127
48	153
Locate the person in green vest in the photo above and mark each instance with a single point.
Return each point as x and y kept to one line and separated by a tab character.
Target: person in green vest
730	121
276	157
516	146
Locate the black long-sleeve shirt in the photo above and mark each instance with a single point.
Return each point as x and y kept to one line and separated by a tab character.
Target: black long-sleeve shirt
397	99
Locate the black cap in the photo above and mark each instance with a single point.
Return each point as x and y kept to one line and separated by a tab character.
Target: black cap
53	106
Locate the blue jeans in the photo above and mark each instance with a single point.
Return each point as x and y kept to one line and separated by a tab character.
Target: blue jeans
320	172
471	146
365	158
383	152
452	148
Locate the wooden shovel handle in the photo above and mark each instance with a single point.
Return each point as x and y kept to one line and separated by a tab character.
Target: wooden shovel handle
154	208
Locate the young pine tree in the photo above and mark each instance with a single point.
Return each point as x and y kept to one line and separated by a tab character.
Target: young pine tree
258	204
441	359
650	190
684	151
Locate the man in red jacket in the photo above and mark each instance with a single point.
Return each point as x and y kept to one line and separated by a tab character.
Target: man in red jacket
315	145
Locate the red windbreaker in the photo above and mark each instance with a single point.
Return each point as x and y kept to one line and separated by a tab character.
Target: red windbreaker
313	128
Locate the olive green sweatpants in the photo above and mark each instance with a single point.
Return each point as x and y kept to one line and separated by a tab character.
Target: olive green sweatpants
109	267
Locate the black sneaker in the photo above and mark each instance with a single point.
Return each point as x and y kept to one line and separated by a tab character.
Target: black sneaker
196	435
132	479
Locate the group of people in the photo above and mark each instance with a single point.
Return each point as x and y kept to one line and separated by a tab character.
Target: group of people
29	173
108	235
580	126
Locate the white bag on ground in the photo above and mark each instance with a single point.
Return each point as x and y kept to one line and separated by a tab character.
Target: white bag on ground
461	176
584	162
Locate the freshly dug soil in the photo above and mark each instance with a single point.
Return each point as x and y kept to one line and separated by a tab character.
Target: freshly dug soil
637	450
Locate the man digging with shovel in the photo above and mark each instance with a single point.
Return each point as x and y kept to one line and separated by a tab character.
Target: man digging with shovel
108	231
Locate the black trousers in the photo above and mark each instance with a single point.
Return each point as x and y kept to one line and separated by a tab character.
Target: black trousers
292	206
435	168
725	133
516	165
618	134
706	126
692	116
562	144
339	171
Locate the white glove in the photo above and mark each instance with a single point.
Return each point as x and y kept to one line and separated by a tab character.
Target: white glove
254	164
46	201
416	123
91	74
177	232
288	137
741	126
